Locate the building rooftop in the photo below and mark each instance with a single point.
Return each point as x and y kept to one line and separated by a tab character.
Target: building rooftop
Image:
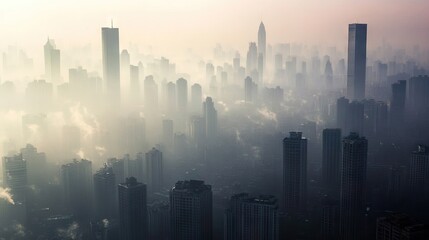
194	186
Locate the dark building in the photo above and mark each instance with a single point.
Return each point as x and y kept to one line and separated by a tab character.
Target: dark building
77	184
419	177
191	211
132	210
397	226
154	170
397	104
353	178
294	173
356	69
331	162
105	193
159	220
252	218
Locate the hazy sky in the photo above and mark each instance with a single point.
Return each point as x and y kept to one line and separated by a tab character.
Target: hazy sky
176	24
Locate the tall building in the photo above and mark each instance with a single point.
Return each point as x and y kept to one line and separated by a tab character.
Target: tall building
150	95
105	193
329	77
250	90
294	173
252	218
132	210
134	85
191	210
353	178
171	99
182	103
159	220
398	226
252	58
418	97
77	183
196	98
36	165
356	66
350	115
331	162
111	65
210	118
15	176
154	170
262	44
419	176
52	62
397	104
168	133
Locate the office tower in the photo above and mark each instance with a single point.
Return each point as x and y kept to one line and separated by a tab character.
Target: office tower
105	193
356	61
398	226
196	98
330	219
171	99
76	179
52	62
197	131
134	85
210	118
111	65
331	162
294	173
418	97
419	176
182	95
118	168
350	115
159	220
167	133
353	178
252	218
125	66
81	86
209	72
150	95
250	90
329	77
36	165
154	170
397	104
252	58
182	103
191	210
15	176
132	210
262	43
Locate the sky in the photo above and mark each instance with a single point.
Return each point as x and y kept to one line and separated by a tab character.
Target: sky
175	25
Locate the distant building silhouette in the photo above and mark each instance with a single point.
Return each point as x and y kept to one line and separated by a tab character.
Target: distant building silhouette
154	170
191	210
262	49
52	62
356	69
419	178
210	118
295	173
132	210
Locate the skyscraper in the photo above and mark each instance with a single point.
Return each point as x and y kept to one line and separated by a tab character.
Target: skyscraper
154	170
182	103
191	210
196	98
262	43
331	162
397	104
105	193
353	180
252	58
132	210
210	118
252	218
294	173
134	85
77	185
397	226
52	62
15	176
250	90
329	78
356	68
419	176
111	65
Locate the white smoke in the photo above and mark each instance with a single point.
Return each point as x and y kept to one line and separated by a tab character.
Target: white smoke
105	223
81	154
71	232
84	120
100	150
268	114
6	195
